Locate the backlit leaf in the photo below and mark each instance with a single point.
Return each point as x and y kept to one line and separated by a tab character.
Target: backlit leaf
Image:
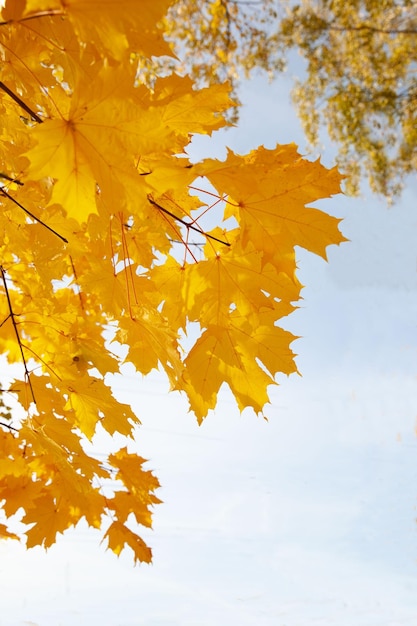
117	250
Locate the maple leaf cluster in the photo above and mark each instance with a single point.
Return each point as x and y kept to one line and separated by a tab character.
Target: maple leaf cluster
115	243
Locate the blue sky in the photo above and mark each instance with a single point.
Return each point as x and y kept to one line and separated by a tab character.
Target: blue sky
307	519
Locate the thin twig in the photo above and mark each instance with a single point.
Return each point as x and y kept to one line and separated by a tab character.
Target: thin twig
77	283
5	193
187	224
10	179
5	320
20	102
34	16
9	426
12	317
197	244
373	29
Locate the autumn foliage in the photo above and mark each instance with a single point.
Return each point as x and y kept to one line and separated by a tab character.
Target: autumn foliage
114	245
355	76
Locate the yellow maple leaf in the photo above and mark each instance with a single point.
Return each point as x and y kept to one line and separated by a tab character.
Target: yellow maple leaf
238	278
126	504
269	190
48	518
130	471
113	25
193	112
237	354
62	153
13	10
119	536
5	533
88	145
92	402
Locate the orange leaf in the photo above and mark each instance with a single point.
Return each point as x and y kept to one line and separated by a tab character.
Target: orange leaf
119	537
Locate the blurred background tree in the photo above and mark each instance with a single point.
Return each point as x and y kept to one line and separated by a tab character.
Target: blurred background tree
360	60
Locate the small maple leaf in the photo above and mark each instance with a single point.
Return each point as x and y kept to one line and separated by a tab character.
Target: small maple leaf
119	536
5	533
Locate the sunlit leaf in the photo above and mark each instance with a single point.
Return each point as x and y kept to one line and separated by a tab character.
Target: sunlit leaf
117	250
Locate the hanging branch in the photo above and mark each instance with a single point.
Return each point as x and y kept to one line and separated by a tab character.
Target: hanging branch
37	219
20	102
12	317
187	224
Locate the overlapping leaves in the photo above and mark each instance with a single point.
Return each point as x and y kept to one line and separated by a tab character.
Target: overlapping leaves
107	250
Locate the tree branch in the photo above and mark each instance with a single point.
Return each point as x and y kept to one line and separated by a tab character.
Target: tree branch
12	317
34	16
20	102
187	224
10	179
9	426
5	193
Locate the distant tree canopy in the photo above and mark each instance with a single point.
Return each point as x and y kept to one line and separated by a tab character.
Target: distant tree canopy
360	78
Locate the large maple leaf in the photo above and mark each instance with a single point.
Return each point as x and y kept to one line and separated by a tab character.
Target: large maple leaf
112	25
268	191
